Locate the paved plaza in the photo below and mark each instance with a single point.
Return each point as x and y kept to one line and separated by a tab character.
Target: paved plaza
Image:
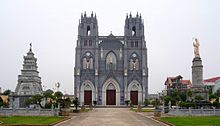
111	117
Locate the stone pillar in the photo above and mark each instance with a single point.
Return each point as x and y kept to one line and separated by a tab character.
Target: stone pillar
197	79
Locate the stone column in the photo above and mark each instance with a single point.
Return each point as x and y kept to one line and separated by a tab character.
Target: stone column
197	73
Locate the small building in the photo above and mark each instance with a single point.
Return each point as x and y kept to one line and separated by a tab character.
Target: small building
177	83
212	84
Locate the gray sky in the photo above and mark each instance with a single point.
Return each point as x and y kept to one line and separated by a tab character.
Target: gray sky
52	28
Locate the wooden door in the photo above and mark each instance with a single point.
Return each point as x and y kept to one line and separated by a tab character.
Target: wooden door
134	97
87	97
111	97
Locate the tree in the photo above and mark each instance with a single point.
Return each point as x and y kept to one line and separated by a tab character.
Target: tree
48	94
58	97
1	102
146	102
216	104
76	102
66	103
183	96
156	103
29	101
36	99
7	92
199	98
167	99
213	96
175	97
189	94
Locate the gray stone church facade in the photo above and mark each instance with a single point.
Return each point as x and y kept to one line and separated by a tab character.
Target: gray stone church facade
111	69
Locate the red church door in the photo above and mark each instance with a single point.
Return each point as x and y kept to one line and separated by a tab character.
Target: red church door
134	97
111	97
87	97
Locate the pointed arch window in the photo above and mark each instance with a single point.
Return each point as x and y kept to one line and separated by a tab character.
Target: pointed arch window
136	43
88	31
133	31
111	61
134	62
87	61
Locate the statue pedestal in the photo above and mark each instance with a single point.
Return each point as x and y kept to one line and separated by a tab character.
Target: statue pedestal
197	72
200	91
197	79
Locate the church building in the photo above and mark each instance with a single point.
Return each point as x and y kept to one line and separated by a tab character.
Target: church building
111	69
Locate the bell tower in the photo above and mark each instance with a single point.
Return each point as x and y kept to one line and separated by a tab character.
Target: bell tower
86	58
88	26
135	53
134	26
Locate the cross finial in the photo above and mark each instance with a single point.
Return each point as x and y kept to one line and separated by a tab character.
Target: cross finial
30	46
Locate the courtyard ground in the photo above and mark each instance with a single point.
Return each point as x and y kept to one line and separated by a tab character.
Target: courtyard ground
111	117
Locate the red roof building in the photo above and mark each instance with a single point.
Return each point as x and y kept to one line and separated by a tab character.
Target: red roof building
176	83
213	84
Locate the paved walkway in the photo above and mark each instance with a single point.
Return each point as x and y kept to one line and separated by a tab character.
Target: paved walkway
111	117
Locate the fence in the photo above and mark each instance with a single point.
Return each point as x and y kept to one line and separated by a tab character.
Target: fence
194	112
28	112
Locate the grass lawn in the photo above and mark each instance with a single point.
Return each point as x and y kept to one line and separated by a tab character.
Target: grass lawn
193	121
29	119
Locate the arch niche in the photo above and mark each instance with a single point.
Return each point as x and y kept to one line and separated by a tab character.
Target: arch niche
87	93
111	92
135	92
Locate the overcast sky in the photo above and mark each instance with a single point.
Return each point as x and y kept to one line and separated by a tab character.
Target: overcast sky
52	28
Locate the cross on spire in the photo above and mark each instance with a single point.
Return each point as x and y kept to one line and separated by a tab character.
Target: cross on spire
30	46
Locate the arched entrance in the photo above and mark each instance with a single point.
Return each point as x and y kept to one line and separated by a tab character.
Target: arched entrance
111	92
134	95
135	92
87	93
111	95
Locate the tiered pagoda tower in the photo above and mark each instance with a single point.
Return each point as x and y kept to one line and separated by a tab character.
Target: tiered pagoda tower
29	82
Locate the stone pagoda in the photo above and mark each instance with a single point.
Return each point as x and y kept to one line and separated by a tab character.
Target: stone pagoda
29	82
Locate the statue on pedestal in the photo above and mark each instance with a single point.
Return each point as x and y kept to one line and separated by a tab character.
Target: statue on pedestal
196	47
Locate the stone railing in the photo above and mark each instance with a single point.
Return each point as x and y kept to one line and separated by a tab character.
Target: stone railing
28	112
194	112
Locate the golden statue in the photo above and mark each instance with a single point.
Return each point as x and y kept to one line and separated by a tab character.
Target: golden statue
110	58
196	47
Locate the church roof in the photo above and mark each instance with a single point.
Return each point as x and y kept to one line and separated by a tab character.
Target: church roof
111	43
111	35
